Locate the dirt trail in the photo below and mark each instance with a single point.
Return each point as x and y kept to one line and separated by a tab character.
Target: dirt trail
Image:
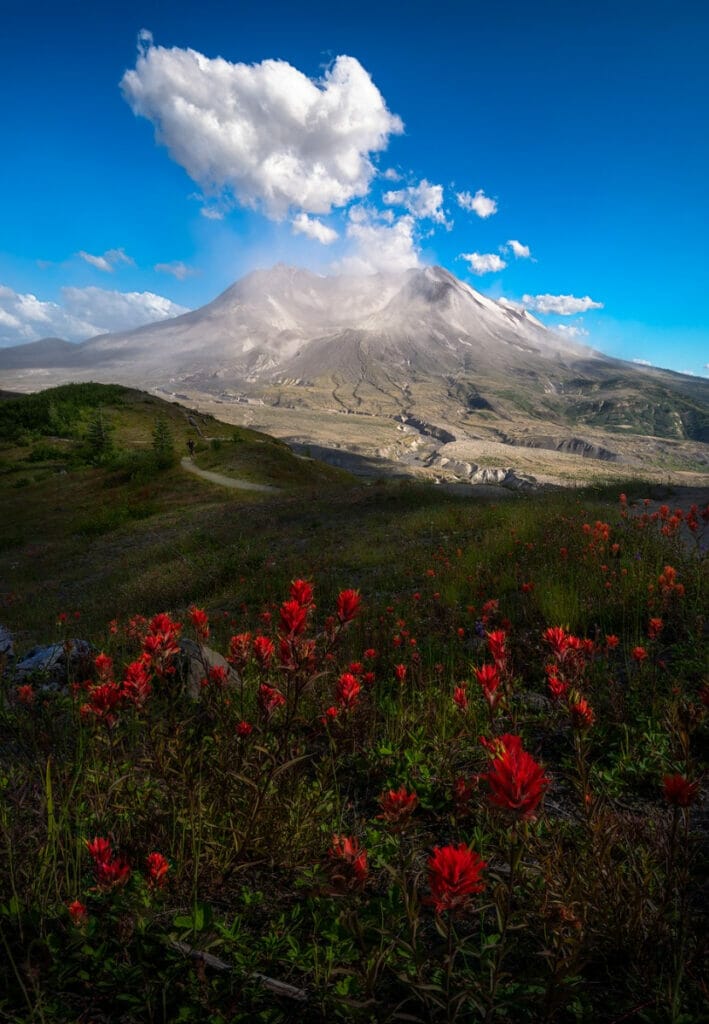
226	481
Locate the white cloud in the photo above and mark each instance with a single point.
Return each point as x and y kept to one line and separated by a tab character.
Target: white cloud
572	331
479	203
483	262
108	260
264	133
519	251
212	213
391	174
177	268
378	244
314	228
422	200
642	362
83	313
563	305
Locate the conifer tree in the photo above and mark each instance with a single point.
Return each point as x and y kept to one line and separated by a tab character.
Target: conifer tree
163	444
98	438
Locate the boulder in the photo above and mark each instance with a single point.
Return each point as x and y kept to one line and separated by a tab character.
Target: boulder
196	661
58	663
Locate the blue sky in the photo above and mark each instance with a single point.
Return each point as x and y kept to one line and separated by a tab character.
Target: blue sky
567	141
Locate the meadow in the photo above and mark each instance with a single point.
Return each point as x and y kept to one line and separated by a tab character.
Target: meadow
449	766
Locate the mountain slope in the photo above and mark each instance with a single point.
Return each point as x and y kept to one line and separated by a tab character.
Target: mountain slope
415	347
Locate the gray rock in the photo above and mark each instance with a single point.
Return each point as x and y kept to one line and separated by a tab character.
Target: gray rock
58	663
196	663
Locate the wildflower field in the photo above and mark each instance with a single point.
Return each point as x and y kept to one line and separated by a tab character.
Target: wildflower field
449	766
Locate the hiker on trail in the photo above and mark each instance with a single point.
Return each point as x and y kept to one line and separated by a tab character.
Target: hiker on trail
190	446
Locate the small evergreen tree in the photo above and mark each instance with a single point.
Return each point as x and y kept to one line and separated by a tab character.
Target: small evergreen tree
163	444
99	443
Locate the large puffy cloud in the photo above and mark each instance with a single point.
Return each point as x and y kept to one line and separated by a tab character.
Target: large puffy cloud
483	262
379	242
108	261
313	227
83	313
563	305
264	133
422	200
480	204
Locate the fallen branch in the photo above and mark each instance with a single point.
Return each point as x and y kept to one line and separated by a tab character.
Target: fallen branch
279	988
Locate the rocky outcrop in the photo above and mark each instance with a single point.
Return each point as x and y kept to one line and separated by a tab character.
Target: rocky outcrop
570	445
474	474
57	664
427	429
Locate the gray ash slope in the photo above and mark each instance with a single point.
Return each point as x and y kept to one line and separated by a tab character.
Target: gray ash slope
385	343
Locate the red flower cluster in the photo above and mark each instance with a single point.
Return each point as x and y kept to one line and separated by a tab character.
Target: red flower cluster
679	791
517	783
157	869
348	605
78	913
347	691
489	678
460	698
269	699
454	875
497	643
110	872
263	651
397	805
160	645
239	648
582	716
350	860
200	621
302	592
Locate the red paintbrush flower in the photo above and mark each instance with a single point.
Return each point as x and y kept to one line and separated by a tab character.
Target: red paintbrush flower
679	791
294	618
348	603
454	876
557	639
136	683
489	678
347	690
302	592
269	699
263	650
239	647
78	913
348	855
496	642
104	667
200	621
517	783
460	698
99	849
157	869
582	716
638	654
400	673
397	805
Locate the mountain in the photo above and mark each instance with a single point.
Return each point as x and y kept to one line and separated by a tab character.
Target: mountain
420	348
